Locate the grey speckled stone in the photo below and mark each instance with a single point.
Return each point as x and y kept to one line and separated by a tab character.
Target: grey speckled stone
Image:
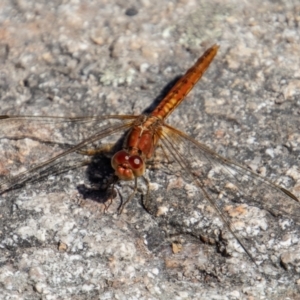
83	58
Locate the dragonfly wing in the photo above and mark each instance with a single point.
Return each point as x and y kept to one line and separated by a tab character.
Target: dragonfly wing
58	130
208	194
35	147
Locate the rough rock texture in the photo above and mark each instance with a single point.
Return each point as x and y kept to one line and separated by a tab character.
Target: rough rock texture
93	58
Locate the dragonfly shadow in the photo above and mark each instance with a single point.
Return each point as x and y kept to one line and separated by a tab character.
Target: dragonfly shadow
100	175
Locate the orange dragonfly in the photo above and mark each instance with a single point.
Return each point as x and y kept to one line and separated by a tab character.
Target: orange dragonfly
209	180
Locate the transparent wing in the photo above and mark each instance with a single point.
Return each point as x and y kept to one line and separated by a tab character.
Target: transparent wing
208	195
35	147
58	130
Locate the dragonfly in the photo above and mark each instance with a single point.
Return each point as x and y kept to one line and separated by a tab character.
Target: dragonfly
213	181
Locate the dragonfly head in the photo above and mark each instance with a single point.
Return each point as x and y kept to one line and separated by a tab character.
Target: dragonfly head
127	166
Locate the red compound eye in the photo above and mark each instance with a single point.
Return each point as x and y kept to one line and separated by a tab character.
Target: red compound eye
120	157
135	162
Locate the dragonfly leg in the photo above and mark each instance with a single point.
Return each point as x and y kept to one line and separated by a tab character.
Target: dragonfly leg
123	204
159	158
107	205
111	192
